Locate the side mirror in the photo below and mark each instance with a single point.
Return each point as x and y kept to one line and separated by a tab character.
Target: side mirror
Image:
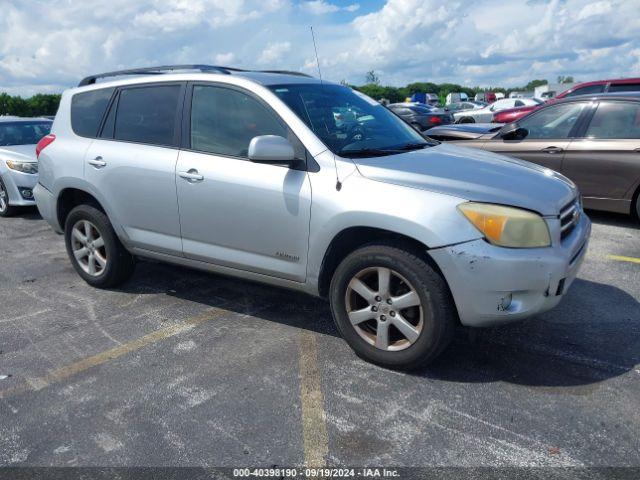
512	131
271	149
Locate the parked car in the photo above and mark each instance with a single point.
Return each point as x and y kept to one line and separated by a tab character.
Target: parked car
462	106
421	117
593	140
486	114
619	85
512	114
456	97
18	164
215	170
488	97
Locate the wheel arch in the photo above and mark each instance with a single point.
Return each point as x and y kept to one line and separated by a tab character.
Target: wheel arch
352	238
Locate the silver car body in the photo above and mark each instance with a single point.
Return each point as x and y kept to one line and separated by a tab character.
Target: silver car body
485	115
272	224
14	180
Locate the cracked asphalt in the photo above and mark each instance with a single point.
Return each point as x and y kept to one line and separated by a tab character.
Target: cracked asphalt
186	368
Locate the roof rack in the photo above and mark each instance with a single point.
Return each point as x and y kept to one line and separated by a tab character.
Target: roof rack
284	72
90	80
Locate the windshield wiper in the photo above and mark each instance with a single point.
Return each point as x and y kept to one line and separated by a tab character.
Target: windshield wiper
413	146
369	152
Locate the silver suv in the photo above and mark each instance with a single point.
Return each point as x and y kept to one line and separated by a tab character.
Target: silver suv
281	178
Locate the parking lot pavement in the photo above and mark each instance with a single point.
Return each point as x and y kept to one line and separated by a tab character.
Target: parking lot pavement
186	368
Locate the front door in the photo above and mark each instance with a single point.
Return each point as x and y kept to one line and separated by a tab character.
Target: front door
549	134
605	161
233	212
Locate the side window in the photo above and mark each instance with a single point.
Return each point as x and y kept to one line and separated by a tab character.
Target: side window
147	114
519	103
615	120
87	109
586	90
625	87
224	121
552	122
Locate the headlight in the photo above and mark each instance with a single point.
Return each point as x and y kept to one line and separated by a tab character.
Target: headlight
24	167
507	226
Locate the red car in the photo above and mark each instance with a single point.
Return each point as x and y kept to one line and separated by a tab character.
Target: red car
512	114
586	88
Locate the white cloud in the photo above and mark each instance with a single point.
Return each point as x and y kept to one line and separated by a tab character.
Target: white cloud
224	58
321	7
487	42
273	53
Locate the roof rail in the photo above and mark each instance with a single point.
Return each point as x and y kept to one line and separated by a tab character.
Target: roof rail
90	80
285	72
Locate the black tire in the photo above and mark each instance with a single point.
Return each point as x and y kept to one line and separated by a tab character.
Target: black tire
439	312
467	120
120	263
637	205
8	210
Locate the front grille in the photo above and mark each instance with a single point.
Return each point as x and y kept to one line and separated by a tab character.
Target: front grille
569	217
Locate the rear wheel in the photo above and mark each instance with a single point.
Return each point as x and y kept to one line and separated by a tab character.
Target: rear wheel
94	249
6	210
467	120
391	307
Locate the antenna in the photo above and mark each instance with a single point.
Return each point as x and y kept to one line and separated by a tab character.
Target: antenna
315	49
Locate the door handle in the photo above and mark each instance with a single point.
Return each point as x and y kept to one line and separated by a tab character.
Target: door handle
191	175
552	150
98	162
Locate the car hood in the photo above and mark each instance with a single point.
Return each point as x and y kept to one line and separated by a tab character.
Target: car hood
466	131
474	175
21	153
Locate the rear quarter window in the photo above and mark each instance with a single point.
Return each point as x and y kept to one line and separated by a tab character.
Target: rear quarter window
87	109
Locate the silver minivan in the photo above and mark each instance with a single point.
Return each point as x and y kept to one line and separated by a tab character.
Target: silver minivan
252	174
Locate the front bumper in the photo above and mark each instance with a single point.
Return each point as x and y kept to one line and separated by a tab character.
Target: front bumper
17	183
493	285
47	206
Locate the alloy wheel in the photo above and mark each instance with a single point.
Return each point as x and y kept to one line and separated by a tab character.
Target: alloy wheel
4	198
384	308
88	248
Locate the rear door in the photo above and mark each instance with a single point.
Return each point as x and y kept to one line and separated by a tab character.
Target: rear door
234	212
550	131
605	161
132	164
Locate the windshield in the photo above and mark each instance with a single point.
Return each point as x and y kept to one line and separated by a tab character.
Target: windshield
348	122
23	133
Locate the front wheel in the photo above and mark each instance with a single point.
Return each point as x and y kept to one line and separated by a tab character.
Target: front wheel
6	210
392	307
94	249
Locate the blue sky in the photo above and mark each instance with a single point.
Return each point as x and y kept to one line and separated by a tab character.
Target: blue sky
48	45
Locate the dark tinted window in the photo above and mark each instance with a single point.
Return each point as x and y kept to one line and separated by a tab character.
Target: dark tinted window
110	122
586	90
23	133
615	120
87	110
224	121
519	103
625	87
552	122
147	114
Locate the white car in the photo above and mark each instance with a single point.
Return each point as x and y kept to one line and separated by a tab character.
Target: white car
18	164
485	115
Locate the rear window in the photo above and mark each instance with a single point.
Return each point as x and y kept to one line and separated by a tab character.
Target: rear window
22	133
586	90
624	87
87	110
147	114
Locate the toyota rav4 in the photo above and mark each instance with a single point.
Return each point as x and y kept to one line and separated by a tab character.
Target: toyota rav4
253	174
